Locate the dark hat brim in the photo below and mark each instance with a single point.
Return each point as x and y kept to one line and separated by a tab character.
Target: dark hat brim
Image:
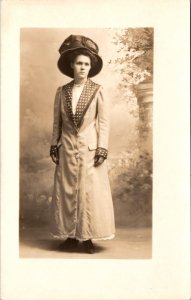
64	64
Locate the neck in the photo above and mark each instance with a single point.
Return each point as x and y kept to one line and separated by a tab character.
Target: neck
80	81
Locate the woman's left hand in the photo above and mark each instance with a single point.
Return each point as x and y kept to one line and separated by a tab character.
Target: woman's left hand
98	160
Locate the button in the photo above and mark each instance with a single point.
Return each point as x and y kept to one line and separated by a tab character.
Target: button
77	156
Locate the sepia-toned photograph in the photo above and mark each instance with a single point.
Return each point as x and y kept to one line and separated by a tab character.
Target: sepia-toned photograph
95	181
86	160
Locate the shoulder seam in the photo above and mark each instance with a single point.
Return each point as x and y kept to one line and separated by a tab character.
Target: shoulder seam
96	84
67	84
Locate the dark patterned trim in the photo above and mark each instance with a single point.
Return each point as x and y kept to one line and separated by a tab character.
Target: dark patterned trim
85	98
53	150
68	103
101	152
87	105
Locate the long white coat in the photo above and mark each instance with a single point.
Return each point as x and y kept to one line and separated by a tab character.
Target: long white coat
81	204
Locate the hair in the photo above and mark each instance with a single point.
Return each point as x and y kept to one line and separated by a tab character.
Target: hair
85	52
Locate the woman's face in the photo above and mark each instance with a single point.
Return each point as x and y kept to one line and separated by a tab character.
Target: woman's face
81	66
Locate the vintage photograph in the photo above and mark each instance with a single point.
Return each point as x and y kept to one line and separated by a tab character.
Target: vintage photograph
86	155
95	150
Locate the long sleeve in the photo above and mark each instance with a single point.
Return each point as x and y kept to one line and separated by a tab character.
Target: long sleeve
103	124
57	121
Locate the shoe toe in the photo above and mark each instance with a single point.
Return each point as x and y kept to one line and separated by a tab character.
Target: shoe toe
89	247
69	244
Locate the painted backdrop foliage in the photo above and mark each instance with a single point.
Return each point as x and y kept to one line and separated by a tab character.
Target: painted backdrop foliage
127	56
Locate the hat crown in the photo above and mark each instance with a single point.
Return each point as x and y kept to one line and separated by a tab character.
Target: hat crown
78	41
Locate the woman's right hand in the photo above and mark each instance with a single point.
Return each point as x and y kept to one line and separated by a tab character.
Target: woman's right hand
54	154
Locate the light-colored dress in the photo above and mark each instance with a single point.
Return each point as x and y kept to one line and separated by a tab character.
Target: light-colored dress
82	206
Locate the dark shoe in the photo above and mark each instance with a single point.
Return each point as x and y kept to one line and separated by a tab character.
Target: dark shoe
69	244
89	247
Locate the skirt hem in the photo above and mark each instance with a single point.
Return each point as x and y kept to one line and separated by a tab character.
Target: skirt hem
83	239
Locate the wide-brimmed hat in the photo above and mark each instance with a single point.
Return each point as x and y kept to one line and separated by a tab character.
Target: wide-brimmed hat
77	42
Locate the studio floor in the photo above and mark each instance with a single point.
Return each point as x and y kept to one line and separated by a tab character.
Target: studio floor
129	243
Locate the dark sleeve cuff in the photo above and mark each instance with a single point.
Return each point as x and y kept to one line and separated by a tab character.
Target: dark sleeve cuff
101	152
53	150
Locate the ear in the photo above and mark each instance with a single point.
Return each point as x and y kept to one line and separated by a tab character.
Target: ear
72	65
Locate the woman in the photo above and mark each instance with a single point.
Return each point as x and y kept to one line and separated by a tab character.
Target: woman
82	204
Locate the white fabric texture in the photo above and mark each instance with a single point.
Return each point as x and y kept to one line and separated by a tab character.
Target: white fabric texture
76	92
